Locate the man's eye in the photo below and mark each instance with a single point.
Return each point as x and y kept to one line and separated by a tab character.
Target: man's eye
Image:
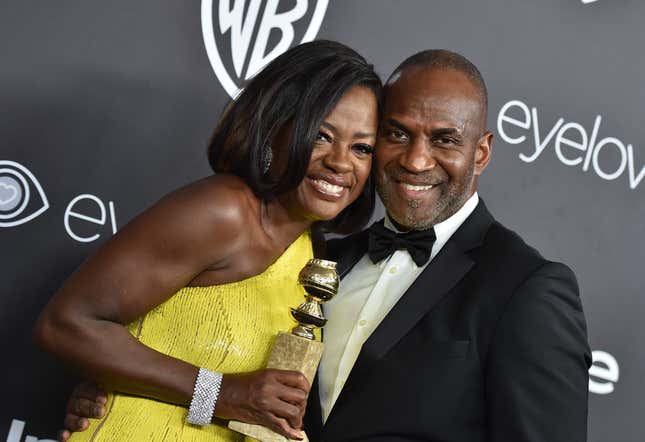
446	140
397	134
364	148
322	136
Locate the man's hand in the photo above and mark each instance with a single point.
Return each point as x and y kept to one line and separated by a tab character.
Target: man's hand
86	401
275	399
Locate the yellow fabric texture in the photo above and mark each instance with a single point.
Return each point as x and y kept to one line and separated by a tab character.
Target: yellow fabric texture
228	328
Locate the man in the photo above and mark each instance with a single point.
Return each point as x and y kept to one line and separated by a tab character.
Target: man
452	329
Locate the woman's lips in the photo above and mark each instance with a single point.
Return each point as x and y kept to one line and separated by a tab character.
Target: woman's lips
326	188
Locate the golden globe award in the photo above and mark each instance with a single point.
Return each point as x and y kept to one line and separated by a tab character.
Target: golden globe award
299	349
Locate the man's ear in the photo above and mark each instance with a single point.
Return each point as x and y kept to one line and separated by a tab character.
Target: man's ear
483	151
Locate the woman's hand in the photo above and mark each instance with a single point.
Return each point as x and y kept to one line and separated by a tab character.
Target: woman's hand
275	399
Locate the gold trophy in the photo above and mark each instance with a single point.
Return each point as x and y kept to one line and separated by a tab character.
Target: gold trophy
299	349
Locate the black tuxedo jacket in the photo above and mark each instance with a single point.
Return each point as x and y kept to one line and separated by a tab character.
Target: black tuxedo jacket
488	344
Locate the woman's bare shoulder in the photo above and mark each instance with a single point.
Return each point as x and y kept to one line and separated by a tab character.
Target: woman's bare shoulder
218	198
213	207
191	230
203	219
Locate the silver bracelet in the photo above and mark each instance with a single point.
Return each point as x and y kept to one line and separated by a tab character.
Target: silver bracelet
202	405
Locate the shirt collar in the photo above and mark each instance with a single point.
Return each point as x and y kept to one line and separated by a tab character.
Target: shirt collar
445	229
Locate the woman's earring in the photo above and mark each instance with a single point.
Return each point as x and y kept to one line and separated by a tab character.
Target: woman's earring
267	156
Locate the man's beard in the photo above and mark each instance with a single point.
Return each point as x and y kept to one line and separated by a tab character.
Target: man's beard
451	199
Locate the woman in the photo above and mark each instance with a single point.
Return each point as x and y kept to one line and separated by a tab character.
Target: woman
205	277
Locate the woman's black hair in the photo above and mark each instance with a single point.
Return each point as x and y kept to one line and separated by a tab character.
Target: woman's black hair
295	92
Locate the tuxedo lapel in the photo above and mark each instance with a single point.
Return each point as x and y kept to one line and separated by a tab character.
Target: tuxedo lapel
442	274
347	251
446	269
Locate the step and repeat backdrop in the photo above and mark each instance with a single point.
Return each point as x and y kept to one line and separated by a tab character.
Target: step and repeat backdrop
107	106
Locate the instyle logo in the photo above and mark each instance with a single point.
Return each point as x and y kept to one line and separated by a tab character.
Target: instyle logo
21	196
238	46
574	144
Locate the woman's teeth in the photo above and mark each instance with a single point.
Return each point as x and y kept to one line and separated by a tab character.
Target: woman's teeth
327	188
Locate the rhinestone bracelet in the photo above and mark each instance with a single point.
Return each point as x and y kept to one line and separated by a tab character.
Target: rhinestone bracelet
202	405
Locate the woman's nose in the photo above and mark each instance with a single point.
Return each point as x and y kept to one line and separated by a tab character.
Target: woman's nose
338	159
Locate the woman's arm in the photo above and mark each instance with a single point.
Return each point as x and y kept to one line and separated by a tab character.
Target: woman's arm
158	253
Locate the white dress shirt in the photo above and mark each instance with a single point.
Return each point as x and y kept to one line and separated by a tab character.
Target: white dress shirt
366	295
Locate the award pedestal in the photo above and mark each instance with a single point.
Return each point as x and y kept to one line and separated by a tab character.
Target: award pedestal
290	352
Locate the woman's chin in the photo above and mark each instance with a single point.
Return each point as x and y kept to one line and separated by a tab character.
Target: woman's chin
324	207
324	211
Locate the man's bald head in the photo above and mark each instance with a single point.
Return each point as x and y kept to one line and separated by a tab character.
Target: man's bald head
443	59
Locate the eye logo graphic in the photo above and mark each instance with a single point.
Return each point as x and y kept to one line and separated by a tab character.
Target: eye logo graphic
16	182
237	21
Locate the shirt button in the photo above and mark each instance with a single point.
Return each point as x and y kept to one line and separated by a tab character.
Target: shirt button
393	270
362	322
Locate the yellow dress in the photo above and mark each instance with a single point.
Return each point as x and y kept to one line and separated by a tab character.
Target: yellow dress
227	328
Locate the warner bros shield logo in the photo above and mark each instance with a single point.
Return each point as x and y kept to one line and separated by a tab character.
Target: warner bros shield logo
243	36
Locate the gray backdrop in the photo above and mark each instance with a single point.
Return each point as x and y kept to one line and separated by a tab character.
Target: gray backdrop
106	106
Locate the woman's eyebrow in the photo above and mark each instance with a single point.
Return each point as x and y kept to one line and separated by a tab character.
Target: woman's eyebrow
358	134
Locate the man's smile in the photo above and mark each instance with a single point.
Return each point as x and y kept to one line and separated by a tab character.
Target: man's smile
413	191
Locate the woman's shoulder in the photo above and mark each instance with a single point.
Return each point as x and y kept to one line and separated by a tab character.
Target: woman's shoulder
209	211
218	218
219	198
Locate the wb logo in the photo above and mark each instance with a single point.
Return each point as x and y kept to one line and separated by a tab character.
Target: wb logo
21	195
243	36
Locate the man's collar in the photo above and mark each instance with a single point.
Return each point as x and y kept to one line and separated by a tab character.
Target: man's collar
445	229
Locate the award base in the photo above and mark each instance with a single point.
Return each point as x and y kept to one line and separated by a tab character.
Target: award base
290	352
263	434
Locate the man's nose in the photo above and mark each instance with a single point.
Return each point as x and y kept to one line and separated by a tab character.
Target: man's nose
418	157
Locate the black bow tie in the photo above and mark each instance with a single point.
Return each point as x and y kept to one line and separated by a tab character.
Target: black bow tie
383	242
